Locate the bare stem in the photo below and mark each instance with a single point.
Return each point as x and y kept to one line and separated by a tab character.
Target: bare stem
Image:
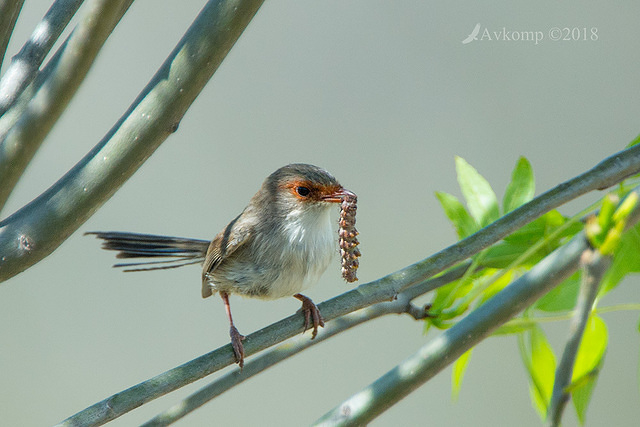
594	267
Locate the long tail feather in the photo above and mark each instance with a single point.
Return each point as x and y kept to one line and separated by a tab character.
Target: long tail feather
183	251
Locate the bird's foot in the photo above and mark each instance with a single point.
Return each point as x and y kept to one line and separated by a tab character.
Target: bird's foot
310	312
236	343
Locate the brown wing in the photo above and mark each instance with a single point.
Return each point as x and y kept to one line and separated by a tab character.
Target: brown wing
223	245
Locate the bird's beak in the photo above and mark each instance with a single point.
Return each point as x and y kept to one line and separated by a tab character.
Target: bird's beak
338	196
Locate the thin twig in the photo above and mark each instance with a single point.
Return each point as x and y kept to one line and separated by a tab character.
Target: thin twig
594	267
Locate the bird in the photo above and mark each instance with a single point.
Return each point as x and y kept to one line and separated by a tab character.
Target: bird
279	245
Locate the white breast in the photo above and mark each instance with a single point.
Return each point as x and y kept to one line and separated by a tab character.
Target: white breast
309	249
284	264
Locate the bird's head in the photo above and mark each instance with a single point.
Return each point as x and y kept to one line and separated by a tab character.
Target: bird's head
303	187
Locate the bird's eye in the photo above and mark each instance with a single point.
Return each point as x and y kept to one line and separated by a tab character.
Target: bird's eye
303	191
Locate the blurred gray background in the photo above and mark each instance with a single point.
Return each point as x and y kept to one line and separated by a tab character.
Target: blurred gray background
382	94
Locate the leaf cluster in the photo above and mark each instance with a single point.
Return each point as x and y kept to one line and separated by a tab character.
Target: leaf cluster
495	267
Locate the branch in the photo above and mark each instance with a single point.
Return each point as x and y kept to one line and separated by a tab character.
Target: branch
479	324
27	236
173	379
27	123
367	404
25	64
384	289
40	227
274	356
9	12
595	266
608	172
402	304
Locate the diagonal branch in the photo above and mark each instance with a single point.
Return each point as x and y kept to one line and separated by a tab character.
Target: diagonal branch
25	64
595	266
401	304
40	227
608	172
27	123
386	391
379	396
9	12
274	356
605	173
198	368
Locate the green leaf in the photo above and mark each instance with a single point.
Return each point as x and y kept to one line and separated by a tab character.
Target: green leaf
593	348
459	368
626	207
521	188
447	295
542	235
631	144
626	259
481	200
634	142
614	234
543	227
463	222
531	232
541	365
502	255
443	298
605	217
515	326
496	285
561	298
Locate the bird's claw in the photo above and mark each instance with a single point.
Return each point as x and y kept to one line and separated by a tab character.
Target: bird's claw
236	343
311	313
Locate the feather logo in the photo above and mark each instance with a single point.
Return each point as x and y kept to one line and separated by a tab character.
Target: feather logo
473	36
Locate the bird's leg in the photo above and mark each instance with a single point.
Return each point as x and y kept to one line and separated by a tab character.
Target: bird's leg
310	312
236	337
